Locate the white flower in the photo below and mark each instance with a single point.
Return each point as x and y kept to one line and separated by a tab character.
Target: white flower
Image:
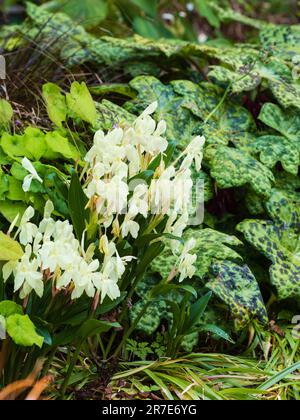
29	178
85	278
107	281
58	254
107	287
28	233
161	192
8	269
27	230
120	169
186	266
28	276
131	227
47	225
182	189
107	148
190	7
146	134
106	247
194	152
139	201
134	159
176	226
116	195
150	110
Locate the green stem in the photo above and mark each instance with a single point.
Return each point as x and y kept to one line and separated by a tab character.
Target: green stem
70	371
124	311
132	328
49	361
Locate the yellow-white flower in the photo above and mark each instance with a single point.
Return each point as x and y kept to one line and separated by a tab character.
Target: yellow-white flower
33	175
27	275
130	227
194	152
147	135
139	203
186	263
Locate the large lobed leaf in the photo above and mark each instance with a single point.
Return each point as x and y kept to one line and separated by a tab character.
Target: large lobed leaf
238	288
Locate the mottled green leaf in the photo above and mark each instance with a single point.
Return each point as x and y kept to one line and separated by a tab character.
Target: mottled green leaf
110	114
238	288
180	122
211	246
280	245
234	168
286	123
274	149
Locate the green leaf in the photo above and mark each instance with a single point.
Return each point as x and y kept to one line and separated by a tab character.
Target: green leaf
77	203
60	147
13	145
235	168
10	250
279	377
10	210
213	329
22	331
228	121
15	190
6	112
274	149
150	29
238	288
198	309
280	245
93	327
80	101
207	12
284	209
211	246
56	103
159	308
180	121
110	114
287	123
149	7
88	13
8	308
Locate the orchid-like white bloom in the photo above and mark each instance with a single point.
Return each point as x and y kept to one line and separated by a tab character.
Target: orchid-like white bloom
130	227
194	153
28	230
107	286
52	252
27	275
146	134
33	175
139	203
86	278
186	264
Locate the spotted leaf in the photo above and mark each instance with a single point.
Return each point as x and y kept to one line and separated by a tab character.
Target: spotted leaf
238	288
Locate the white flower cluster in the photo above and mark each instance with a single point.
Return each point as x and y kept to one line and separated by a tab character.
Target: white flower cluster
52	253
123	154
